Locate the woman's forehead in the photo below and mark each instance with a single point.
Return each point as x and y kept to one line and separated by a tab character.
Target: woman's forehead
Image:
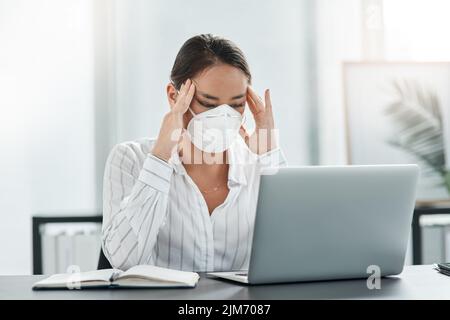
221	81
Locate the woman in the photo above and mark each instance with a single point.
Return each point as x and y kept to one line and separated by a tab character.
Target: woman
187	199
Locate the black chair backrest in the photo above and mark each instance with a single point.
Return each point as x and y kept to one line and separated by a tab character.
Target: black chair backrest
103	262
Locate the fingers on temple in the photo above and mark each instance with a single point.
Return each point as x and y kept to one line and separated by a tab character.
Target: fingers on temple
252	104
186	93
189	94
267	99
255	103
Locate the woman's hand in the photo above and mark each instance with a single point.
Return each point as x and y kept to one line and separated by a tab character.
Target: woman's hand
263	139
172	125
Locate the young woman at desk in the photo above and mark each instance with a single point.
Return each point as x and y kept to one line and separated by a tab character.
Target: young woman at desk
186	200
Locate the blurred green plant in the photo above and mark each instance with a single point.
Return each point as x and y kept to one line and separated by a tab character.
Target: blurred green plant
417	113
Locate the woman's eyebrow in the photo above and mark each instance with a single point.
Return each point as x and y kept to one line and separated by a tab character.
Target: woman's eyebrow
238	96
208	96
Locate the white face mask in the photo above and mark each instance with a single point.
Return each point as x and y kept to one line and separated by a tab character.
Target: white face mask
215	130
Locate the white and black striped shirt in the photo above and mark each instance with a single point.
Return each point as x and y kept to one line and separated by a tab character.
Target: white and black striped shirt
153	213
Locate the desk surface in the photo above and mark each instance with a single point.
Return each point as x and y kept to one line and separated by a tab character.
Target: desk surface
415	282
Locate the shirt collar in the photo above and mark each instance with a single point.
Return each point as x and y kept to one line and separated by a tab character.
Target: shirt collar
238	154
238	157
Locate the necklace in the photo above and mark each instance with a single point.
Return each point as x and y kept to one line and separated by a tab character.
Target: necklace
217	187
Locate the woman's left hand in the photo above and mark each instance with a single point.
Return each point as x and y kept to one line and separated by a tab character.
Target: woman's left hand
263	138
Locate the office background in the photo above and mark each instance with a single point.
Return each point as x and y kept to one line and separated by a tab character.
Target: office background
78	76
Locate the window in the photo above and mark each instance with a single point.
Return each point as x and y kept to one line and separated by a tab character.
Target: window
417	30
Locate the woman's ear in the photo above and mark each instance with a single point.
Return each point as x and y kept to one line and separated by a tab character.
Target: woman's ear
172	94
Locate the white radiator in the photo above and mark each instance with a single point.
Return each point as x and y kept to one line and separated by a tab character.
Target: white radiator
66	246
435	238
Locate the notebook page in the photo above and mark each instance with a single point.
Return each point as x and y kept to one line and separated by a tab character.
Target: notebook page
67	278
159	273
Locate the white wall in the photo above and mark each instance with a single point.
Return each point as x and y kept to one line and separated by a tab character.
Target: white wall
47	124
271	34
338	38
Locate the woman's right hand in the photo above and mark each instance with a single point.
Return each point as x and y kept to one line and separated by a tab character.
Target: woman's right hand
172	125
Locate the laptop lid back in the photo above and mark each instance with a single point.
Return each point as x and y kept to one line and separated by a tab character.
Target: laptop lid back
332	222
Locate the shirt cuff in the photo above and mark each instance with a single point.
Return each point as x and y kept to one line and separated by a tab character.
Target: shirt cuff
156	173
272	158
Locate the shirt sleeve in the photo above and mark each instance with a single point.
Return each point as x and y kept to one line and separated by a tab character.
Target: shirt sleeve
134	205
272	159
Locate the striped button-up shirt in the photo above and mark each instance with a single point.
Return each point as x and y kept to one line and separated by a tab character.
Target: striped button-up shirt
153	212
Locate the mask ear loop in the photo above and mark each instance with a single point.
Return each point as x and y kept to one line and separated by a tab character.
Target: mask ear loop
244	118
192	112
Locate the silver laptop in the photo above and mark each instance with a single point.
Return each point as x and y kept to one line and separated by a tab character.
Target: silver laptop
330	222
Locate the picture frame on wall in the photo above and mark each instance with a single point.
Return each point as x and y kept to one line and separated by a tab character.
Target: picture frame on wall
399	112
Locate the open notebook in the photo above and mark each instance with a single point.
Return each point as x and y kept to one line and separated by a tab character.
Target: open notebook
138	276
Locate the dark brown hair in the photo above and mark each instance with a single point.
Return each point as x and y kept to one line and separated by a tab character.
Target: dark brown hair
203	51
